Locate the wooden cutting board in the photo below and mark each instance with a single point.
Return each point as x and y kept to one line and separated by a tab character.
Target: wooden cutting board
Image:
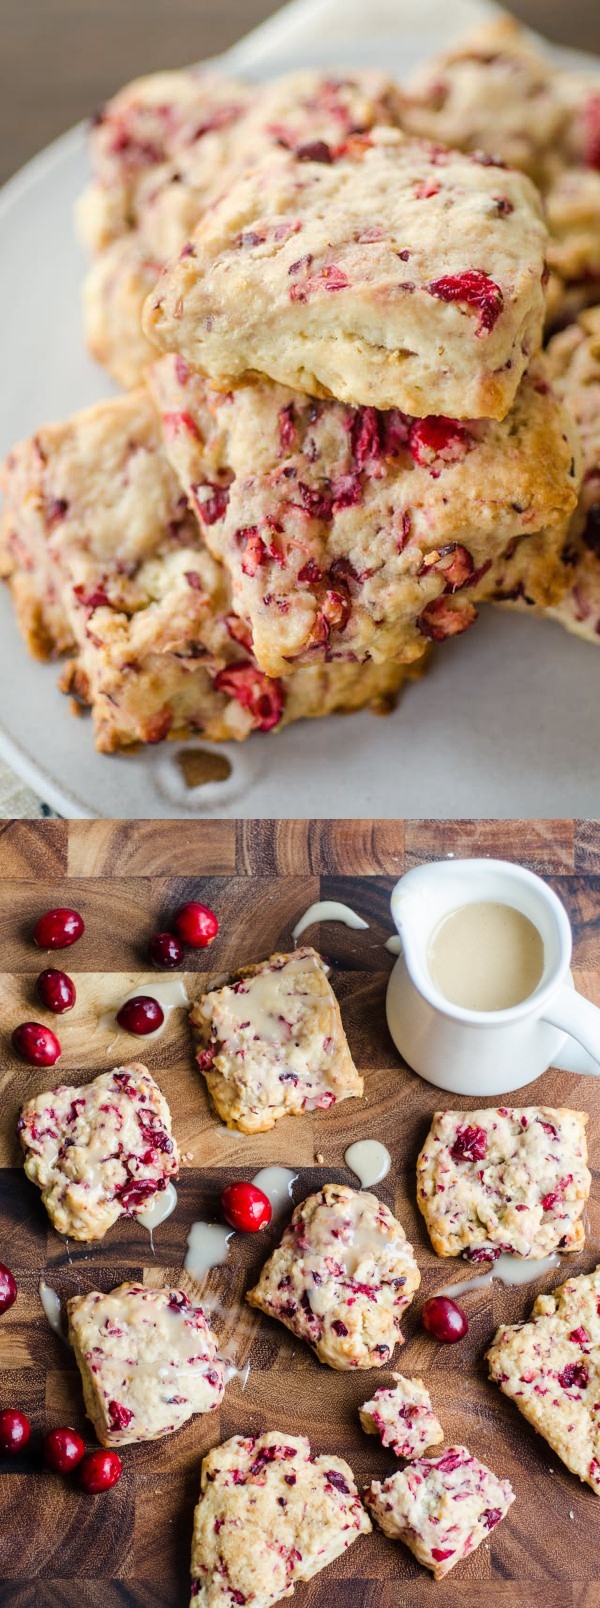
130	1548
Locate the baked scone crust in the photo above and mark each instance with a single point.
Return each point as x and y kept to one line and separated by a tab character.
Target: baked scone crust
442	1508
147	1359
574	362
341	1278
504	1179
401	1414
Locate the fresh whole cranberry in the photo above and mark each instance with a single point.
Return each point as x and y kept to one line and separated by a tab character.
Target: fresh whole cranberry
442	1318
99	1471
57	929
196	925
246	1207
141	1015
8	1288
35	1044
63	1450
15	1431
56	991
165	950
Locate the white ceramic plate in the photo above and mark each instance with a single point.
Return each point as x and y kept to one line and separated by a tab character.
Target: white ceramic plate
506	724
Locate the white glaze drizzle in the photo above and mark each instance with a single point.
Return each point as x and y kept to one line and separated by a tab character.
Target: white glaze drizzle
394	944
369	1159
276	1184
163	1204
169	992
207	1246
509	1270
328	910
53	1311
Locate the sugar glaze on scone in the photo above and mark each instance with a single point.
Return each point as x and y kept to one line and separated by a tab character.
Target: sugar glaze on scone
341	1278
271	1043
550	1368
99	1152
401	1414
147	1359
504	1179
442	1508
270	1514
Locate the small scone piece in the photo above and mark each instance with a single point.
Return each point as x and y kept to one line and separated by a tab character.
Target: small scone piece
99	1152
505	1179
385	272
401	1414
574	361
341	1278
550	1368
147	1359
271	1043
270	1514
442	1508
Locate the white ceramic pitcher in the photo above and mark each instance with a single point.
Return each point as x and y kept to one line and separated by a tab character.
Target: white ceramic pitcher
486	1052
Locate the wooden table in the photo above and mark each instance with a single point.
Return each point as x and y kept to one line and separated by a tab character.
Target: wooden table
61	58
130	1548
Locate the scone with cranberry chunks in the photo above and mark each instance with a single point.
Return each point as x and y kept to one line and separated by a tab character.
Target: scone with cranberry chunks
442	1508
401	1414
574	362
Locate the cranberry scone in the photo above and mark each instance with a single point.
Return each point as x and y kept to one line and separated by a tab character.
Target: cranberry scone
341	1278
350	533
550	1368
574	360
504	1179
99	1152
401	1414
387	273
270	1514
147	1359
442	1508
271	1043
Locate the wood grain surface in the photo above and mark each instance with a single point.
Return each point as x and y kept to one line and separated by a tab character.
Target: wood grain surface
130	1548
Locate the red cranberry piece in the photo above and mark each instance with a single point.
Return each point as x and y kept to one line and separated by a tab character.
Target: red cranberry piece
313	151
470	1144
35	1044
56	991
63	1450
442	1318
58	929
141	1015
261	695
246	1207
574	1376
15	1431
165	950
474	289
439	620
196	925
99	1471
8	1288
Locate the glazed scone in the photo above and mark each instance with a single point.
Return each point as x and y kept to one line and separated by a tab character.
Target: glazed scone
147	1359
271	1043
401	1414
504	1179
389	275
574	360
550	1368
349	533
99	1152
341	1278
442	1508
270	1514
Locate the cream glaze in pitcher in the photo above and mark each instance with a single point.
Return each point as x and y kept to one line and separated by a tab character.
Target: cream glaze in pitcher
486	1052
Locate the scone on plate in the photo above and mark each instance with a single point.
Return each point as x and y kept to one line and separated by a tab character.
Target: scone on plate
341	1278
385	272
351	533
147	1359
271	1043
99	1152
574	361
550	1368
270	1514
402	1415
442	1508
504	1179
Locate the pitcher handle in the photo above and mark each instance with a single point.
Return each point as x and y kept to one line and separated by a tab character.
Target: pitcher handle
576	1016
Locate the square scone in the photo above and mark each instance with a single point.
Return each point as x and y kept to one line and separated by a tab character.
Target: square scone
574	362
147	1359
385	271
509	1179
341	1278
550	1368
402	1415
271	1043
442	1508
349	533
99	1152
270	1514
